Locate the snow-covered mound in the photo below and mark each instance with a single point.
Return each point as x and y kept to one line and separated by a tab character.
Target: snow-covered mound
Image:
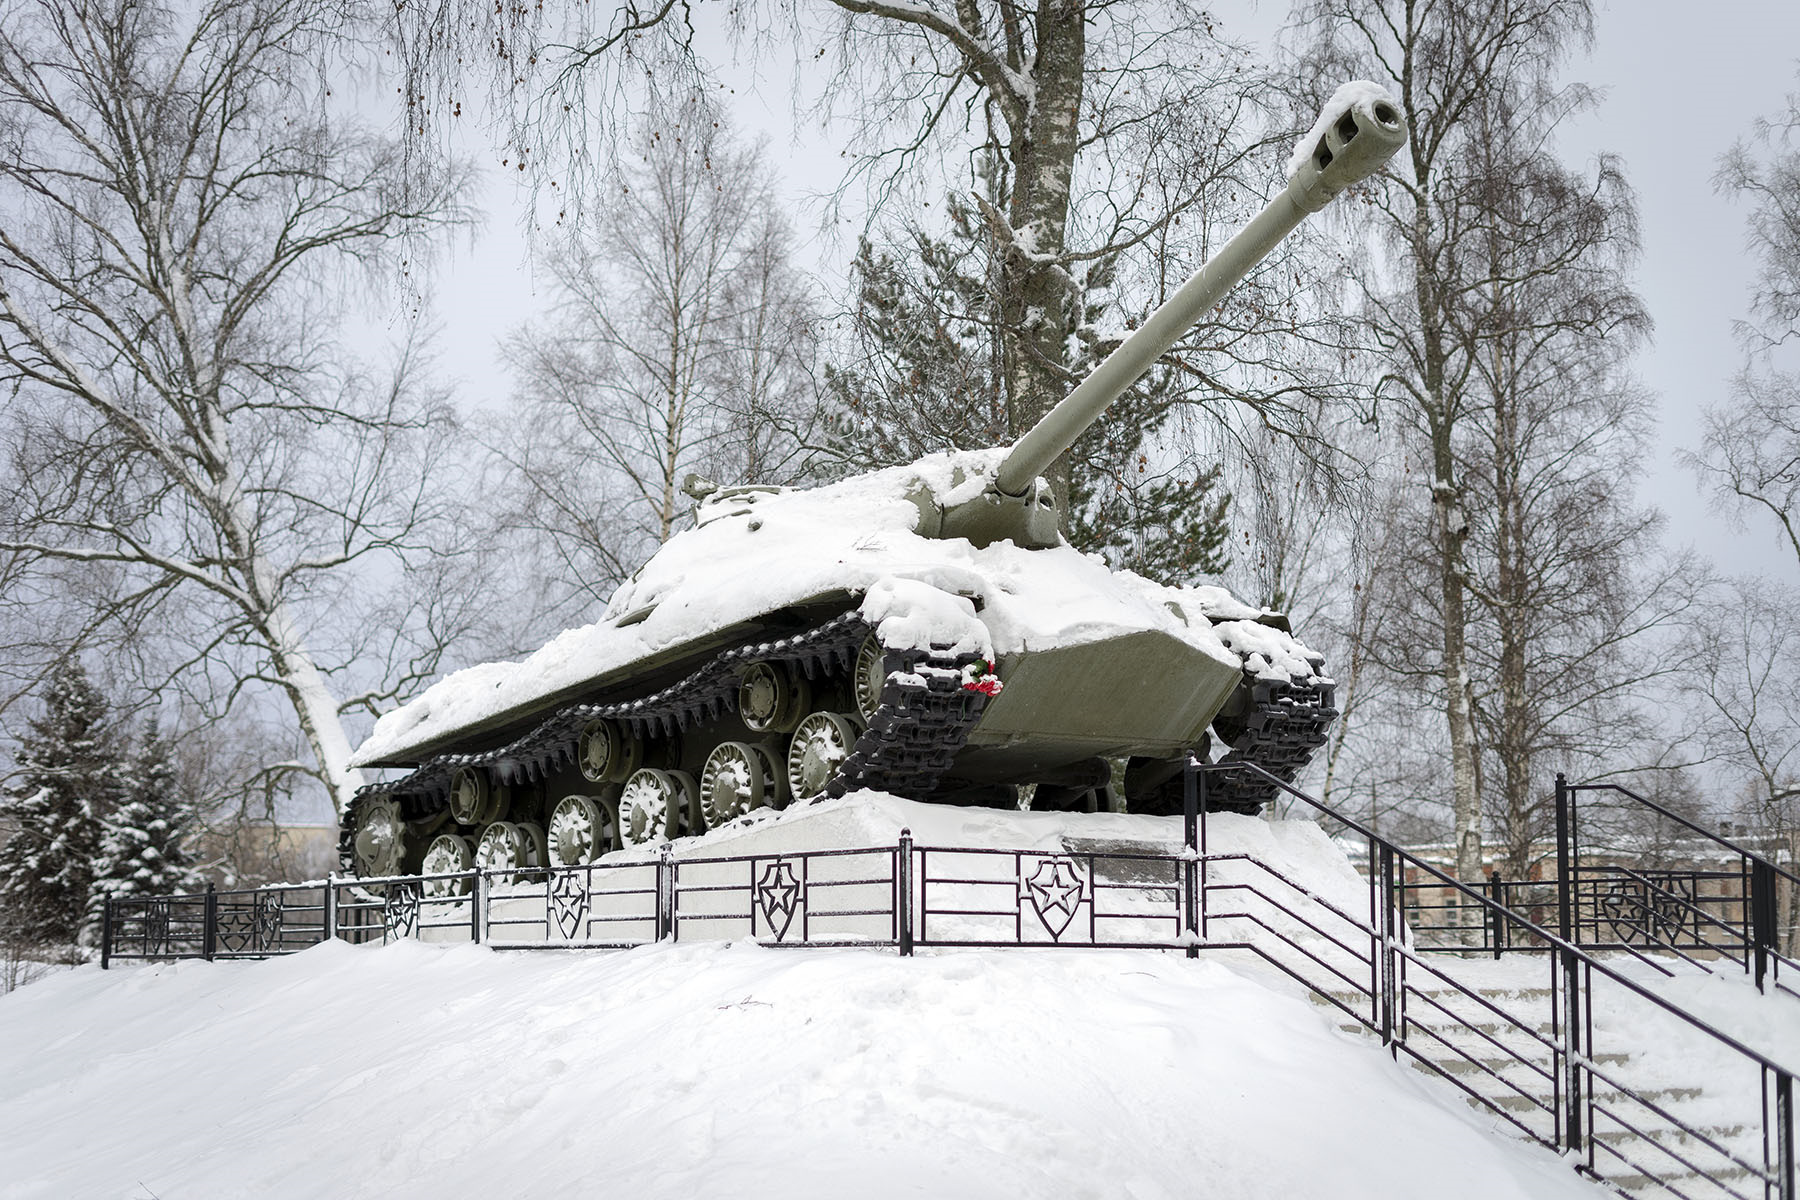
716	1071
752	554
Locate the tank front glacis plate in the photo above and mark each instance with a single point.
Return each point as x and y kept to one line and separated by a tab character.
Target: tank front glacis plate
1140	693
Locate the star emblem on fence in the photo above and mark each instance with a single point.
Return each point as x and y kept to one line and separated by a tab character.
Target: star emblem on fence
253	927
156	927
1671	905
1055	891
778	895
400	911
568	903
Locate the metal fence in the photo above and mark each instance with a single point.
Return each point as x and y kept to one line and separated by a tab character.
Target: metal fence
1706	918
898	896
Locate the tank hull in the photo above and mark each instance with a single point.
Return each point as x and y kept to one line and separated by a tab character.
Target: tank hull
932	722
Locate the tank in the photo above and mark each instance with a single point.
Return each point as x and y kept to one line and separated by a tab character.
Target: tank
923	630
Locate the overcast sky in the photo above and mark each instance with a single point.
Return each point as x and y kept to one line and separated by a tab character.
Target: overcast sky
1679	87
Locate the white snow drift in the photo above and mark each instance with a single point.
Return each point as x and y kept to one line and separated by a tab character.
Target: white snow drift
718	1070
689	1071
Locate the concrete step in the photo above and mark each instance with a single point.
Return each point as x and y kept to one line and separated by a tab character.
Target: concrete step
1532	1042
1734	1183
1493	1064
1458	1002
1660	1096
1725	1135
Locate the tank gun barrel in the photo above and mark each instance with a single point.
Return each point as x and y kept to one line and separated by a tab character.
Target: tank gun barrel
1352	145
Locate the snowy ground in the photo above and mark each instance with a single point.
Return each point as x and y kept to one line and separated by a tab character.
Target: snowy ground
714	1069
699	1071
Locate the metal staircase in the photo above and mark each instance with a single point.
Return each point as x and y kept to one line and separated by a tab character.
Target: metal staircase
1682	1140
1578	1050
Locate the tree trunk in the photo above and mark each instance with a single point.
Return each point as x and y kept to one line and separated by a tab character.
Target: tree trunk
1452	532
1036	309
1513	575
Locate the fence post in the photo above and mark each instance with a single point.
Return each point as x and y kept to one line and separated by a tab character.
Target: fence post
665	893
1203	786
209	930
1190	865
1564	868
477	900
1386	889
1572	1050
1496	919
903	903
331	913
106	928
1784	1135
1762	918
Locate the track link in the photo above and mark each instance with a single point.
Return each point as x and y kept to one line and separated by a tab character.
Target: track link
1282	725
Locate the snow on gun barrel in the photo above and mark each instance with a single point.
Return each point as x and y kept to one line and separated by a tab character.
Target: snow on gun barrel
923	630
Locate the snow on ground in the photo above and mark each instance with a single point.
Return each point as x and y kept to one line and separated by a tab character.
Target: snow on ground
709	1069
702	1071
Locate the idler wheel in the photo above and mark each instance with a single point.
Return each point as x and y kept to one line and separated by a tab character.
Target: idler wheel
771	698
819	746
450	855
608	754
738	777
577	830
380	838
869	677
652	803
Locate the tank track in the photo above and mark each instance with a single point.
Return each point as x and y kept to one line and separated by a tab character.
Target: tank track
924	719
923	722
1284	724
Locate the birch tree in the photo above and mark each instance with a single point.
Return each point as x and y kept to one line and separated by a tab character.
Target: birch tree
1751	454
1748	702
679	341
1092	136
1446	62
176	191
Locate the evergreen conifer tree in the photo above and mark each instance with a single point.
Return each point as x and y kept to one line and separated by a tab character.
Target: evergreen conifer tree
141	852
69	780
932	378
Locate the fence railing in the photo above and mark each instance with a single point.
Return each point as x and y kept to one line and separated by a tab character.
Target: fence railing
899	896
1570	1050
1732	914
1706	917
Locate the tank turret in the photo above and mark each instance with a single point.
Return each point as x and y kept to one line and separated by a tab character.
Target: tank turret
922	630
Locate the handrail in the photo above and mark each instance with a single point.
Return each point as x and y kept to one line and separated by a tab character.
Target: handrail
1588	1106
1681	820
1575	952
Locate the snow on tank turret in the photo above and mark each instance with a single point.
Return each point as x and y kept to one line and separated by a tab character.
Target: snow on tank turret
923	630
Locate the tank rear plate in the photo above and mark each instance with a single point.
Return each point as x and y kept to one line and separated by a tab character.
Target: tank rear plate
1143	692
